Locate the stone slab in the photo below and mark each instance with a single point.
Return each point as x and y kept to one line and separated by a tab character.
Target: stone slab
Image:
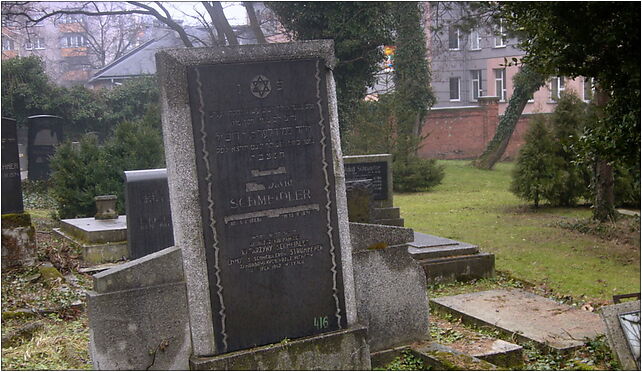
11	184
149	218
615	334
391	297
344	350
443	358
462	268
370	236
386	213
526	316
391	222
374	167
422	240
97	253
138	315
45	133
91	230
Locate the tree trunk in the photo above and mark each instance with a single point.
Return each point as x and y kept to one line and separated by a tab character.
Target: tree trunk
254	22
215	10
527	82
603	209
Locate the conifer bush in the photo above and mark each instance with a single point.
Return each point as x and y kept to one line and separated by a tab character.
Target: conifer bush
81	174
415	174
535	175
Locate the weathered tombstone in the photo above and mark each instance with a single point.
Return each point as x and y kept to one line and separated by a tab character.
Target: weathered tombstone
377	169
18	234
622	323
11	184
258	205
149	218
45	133
360	203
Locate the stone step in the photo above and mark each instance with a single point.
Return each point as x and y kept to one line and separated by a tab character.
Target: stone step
481	346
465	267
390	222
427	246
525	316
385	213
434	356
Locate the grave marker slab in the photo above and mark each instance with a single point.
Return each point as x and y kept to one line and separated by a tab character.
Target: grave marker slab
45	133
11	184
149	218
258	194
378	169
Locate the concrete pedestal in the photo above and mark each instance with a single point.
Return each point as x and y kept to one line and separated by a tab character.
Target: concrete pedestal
340	350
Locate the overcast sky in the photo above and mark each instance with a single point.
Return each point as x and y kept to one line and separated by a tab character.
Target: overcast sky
234	11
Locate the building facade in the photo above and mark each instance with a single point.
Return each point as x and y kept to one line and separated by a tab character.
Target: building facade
471	62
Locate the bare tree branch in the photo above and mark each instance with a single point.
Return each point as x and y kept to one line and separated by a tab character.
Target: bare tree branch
254	23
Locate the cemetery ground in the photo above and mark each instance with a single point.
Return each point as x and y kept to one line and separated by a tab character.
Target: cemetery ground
555	252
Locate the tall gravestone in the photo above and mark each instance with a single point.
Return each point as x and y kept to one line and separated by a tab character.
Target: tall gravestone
45	133
11	184
149	218
257	192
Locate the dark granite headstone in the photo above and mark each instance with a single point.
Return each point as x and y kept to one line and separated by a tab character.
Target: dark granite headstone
45	133
264	161
149	218
377	172
11	185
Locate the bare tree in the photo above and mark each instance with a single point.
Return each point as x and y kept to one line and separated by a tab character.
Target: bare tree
30	15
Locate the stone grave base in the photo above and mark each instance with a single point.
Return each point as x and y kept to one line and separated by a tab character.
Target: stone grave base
390	286
18	240
525	316
445	260
434	356
138	315
340	350
101	240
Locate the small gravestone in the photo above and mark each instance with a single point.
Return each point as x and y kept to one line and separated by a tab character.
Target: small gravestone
258	203
45	133
377	170
360	205
149	218
18	233
11	184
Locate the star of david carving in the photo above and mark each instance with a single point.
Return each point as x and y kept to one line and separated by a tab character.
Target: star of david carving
260	86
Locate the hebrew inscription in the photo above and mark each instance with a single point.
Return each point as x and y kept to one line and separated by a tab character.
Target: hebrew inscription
266	187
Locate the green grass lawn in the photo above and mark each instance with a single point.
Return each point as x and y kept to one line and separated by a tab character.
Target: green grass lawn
475	206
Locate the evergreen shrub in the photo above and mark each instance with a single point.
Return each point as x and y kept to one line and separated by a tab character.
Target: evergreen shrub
415	174
81	174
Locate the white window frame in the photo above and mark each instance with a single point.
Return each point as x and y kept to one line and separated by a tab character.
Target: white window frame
37	43
474	40
74	41
8	43
557	86
589	81
476	79
458	35
458	99
500	84
500	35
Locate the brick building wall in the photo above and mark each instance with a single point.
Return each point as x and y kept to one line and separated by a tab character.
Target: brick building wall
464	132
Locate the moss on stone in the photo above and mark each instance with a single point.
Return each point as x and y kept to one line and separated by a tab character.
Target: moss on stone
49	273
380	245
13	220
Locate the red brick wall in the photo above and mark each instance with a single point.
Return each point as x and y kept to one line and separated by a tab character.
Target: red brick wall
463	133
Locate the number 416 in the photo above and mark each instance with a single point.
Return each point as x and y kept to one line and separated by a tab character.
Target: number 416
321	322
